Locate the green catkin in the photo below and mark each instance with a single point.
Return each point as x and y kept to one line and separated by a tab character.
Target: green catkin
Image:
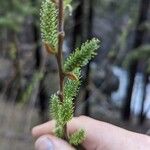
77	137
49	23
82	55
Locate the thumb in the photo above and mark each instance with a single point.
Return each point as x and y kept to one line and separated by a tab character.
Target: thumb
50	142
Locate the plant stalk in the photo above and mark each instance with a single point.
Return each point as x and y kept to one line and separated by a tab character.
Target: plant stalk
59	57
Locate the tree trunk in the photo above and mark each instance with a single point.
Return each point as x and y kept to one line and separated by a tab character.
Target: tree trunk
142	114
139	36
40	66
87	71
15	82
78	24
78	29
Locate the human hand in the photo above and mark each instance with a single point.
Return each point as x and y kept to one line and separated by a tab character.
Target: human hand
99	136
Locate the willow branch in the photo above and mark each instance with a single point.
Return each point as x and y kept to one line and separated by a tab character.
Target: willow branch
60	48
60	57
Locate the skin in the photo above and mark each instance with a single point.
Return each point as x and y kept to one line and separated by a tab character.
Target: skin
99	136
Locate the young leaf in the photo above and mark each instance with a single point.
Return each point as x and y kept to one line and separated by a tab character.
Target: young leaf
50	49
49	23
82	55
71	76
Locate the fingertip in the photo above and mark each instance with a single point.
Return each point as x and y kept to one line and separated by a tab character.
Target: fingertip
34	131
44	143
46	128
50	142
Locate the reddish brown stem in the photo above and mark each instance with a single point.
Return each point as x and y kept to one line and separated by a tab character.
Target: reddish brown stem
60	57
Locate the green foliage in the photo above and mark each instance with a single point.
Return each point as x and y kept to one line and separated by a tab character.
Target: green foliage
62	109
56	113
68	6
82	55
118	51
25	10
37	77
14	13
55	107
67	111
10	22
13	51
49	23
77	138
67	2
61	112
142	52
59	131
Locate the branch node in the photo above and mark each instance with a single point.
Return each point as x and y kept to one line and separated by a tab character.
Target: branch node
61	34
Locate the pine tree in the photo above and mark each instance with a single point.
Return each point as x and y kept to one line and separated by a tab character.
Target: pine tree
61	103
14	13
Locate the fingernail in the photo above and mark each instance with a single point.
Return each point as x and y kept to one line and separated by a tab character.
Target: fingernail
44	143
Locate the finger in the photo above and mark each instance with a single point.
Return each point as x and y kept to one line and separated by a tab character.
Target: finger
46	128
50	142
76	123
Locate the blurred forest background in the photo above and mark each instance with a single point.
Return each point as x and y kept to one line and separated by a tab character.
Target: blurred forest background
116	84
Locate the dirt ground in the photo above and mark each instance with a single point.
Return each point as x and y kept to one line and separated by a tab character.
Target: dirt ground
16	123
